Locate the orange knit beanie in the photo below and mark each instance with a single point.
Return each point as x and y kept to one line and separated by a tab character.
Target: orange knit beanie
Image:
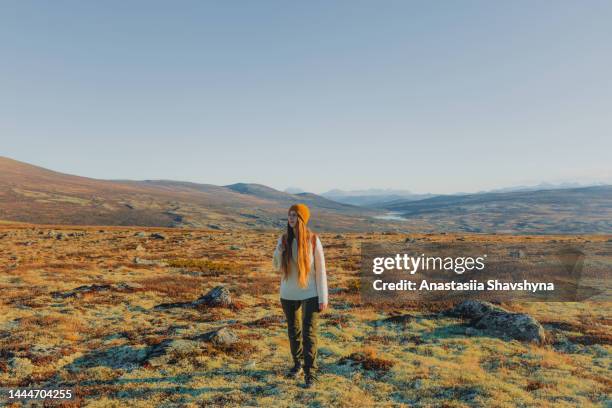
302	211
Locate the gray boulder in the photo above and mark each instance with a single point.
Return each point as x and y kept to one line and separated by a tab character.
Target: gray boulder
499	321
221	337
218	296
518	326
159	354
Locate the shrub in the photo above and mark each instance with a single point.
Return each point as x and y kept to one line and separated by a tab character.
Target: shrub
368	360
205	265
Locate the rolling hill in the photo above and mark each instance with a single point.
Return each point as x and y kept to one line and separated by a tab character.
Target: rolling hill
37	195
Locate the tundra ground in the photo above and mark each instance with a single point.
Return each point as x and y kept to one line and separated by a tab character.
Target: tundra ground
109	343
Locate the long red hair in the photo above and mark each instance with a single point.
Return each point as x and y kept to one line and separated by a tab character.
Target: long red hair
304	238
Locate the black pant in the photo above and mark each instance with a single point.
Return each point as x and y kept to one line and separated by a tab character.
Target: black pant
302	327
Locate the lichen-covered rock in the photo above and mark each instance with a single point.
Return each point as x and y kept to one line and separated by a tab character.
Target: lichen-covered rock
159	354
218	296
221	337
518	326
498	321
81	290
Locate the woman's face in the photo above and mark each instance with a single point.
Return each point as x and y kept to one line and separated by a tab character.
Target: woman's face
292	219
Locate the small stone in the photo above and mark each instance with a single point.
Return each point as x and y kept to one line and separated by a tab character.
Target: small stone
517	254
140	261
129	286
221	337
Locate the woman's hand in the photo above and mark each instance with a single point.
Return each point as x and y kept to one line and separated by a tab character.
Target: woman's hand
322	306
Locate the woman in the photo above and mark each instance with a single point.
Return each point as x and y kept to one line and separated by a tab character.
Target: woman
303	290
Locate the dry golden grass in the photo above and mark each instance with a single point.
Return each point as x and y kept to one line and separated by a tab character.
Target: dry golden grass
110	344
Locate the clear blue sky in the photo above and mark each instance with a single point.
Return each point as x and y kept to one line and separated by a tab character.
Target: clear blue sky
439	96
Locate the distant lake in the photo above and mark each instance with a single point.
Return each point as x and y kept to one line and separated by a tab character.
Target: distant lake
396	216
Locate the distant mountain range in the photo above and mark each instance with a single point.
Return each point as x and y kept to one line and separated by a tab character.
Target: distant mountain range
294	190
372	197
33	194
379	198
573	210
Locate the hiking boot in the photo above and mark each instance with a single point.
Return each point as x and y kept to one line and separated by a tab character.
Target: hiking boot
295	371
310	379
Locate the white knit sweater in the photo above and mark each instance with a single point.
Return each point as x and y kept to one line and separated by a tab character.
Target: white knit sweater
317	276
